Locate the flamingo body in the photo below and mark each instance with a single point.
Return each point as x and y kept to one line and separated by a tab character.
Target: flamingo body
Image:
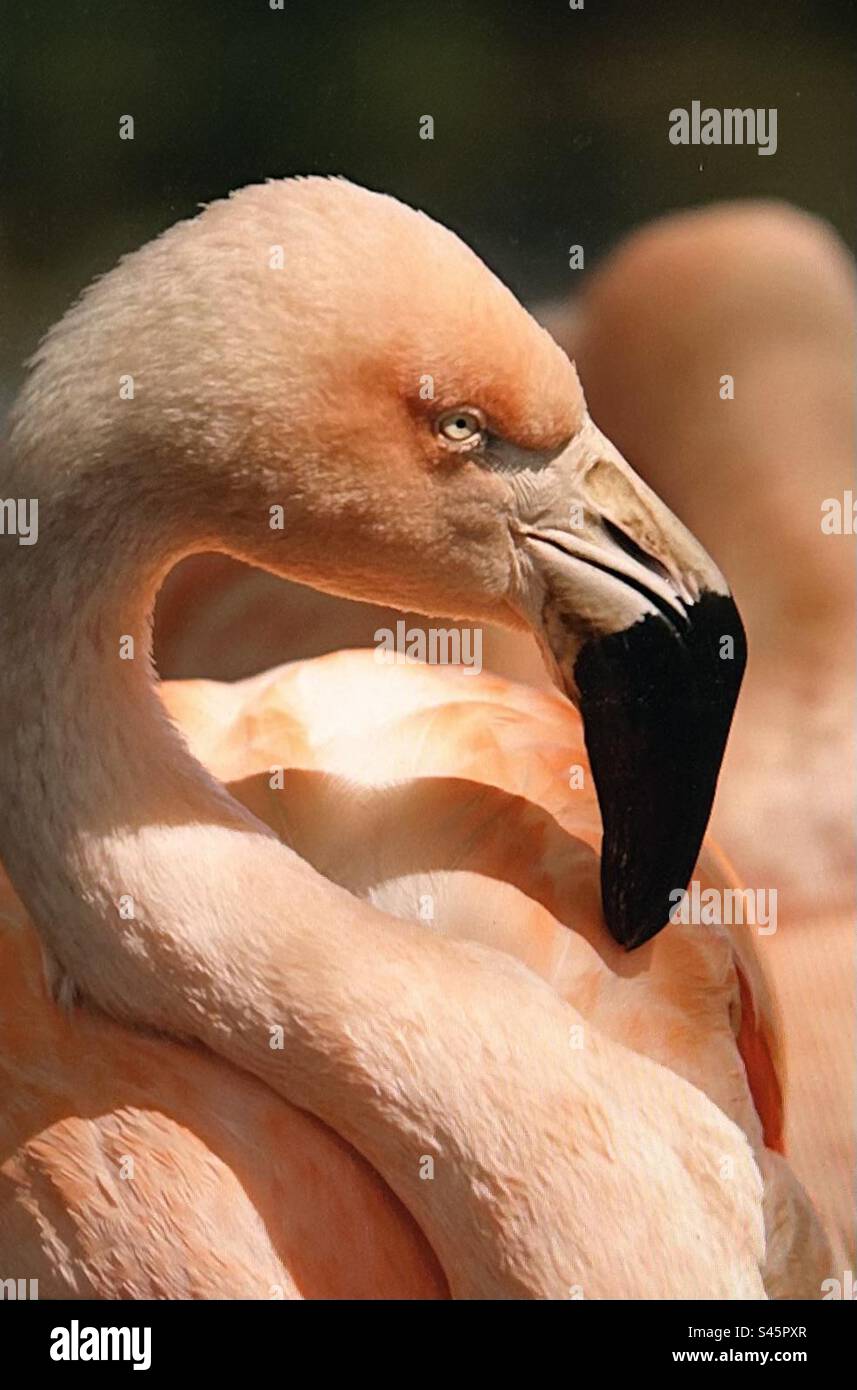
439	796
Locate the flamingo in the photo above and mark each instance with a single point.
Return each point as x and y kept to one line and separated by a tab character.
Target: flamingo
276	1045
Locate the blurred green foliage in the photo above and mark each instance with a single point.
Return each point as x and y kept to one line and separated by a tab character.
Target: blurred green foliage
550	124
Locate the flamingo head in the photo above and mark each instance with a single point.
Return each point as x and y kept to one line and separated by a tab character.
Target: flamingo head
335	387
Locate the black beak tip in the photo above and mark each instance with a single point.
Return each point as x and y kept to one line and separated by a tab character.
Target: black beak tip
657	702
628	927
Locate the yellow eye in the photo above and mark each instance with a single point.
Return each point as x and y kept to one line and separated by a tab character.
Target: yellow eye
463	426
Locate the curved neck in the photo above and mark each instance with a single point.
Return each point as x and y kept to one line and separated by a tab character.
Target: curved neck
170	906
89	747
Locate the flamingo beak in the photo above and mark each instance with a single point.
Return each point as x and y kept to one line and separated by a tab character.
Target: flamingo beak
640	631
657	702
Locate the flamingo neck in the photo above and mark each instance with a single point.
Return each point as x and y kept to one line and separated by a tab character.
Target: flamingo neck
169	906
90	757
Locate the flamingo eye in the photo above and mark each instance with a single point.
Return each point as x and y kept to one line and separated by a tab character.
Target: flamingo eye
464	427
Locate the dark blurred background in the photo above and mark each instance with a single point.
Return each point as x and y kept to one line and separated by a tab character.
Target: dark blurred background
551	125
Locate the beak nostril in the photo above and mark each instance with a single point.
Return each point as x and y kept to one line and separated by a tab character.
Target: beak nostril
636	552
684	586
